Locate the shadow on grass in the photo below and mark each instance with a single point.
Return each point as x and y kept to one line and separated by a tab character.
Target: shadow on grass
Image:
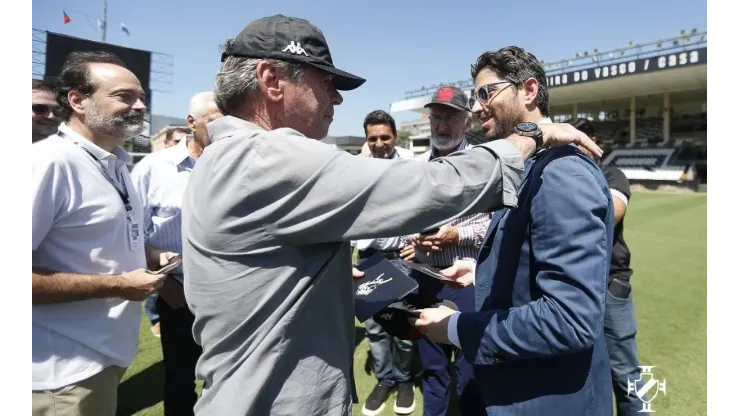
142	390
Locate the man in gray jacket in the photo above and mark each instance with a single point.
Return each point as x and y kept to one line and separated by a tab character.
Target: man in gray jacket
270	210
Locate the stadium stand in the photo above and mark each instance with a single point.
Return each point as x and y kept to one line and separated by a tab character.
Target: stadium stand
647	102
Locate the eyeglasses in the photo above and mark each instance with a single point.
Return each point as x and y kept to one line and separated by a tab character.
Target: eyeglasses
483	95
45	109
443	120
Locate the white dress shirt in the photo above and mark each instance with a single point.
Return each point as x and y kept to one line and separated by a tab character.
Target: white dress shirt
80	225
160	179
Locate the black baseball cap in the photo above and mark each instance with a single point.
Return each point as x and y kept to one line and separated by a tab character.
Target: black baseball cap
452	97
289	39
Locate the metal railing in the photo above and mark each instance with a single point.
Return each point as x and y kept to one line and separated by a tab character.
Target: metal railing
589	59
38	48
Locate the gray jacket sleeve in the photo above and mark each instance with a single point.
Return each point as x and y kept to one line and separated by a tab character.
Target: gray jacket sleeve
327	195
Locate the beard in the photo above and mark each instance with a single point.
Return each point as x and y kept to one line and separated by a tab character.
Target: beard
445	144
122	126
505	120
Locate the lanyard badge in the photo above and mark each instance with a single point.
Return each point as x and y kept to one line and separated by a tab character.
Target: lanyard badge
132	228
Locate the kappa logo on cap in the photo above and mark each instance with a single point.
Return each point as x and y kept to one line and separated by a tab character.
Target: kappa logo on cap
445	94
295	48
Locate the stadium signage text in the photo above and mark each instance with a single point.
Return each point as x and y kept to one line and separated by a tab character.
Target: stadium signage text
636	66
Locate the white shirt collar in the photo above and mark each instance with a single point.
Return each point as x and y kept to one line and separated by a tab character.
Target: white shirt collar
119	154
179	152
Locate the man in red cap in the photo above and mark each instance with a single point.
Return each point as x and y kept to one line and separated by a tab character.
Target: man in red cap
459	239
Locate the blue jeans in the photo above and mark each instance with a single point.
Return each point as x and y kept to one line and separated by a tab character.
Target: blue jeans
435	361
620	329
391	357
150	308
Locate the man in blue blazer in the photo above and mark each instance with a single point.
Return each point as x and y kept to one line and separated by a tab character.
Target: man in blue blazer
536	338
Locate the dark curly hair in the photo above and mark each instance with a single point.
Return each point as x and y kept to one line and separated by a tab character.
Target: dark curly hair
75	75
515	65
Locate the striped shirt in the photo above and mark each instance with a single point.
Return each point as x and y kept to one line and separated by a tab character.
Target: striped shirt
471	229
160	179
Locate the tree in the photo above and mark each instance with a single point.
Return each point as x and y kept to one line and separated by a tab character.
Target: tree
402	139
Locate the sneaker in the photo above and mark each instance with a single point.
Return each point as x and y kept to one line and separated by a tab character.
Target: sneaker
375	402
155	330
405	403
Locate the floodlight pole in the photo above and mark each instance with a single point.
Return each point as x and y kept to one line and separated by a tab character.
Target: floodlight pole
104	27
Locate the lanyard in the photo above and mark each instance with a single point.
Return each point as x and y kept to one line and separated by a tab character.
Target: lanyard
122	193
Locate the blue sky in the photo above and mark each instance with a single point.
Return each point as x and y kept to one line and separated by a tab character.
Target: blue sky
397	46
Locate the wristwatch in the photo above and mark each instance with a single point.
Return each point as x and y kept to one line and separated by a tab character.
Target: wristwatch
530	130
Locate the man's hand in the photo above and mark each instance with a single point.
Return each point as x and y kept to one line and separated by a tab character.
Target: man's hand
408	253
432	322
156	258
463	271
446	236
558	134
356	273
139	284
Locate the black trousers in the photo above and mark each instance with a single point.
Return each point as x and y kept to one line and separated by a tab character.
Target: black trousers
180	354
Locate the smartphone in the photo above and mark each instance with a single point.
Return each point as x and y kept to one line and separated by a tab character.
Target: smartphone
172	265
428	270
430	232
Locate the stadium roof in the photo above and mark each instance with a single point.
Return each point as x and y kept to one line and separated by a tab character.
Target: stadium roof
687	79
669	65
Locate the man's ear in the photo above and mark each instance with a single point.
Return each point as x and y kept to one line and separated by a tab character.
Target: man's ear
75	99
531	88
269	81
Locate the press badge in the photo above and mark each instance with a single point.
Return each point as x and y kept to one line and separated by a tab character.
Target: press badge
134	236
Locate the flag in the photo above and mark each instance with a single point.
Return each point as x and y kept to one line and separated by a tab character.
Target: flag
66	18
125	29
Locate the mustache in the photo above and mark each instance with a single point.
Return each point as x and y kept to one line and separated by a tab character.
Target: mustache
132	117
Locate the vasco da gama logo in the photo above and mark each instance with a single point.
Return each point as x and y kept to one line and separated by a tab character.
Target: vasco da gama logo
368	287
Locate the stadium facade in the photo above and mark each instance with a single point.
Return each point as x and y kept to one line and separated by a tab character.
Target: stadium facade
648	103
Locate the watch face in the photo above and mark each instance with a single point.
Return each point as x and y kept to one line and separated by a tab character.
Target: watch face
527	127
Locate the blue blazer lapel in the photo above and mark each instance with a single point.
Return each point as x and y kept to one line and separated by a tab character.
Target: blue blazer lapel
486	262
494	223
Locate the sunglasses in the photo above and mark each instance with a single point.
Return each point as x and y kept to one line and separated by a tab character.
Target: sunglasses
45	109
483	95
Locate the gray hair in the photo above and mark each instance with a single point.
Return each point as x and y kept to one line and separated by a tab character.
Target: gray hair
201	103
237	80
